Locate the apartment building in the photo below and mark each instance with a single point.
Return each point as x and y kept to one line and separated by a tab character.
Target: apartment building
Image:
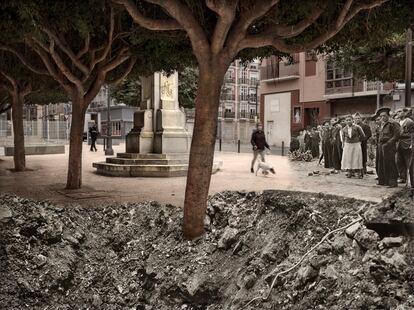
308	89
239	102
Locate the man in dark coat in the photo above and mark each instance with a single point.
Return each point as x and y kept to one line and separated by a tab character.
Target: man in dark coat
315	140
93	132
364	143
387	148
259	144
404	145
326	145
336	143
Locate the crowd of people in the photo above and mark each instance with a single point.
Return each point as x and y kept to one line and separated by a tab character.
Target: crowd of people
342	144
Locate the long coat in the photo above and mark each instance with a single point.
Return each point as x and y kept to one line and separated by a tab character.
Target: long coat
327	147
387	148
336	148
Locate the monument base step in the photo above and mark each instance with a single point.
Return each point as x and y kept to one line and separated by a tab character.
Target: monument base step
147	165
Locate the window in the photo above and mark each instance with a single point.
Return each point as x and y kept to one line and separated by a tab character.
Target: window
329	84
347	82
329	75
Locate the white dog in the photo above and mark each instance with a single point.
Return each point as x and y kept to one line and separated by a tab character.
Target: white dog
265	168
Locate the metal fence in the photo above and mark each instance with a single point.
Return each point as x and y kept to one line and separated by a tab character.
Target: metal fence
36	132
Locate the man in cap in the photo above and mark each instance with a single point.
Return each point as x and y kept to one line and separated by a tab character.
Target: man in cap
364	143
387	148
404	146
259	144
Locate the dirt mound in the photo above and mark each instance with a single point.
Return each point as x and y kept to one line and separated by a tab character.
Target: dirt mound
132	256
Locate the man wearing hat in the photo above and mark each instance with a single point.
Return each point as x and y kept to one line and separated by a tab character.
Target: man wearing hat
404	145
364	143
259	144
387	148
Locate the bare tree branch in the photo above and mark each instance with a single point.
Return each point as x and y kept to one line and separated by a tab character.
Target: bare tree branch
247	16
24	60
85	48
183	15
146	22
10	79
53	37
108	46
122	56
63	68
256	41
45	57
124	74
226	11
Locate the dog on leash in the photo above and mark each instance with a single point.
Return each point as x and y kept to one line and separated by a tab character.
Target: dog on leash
266	168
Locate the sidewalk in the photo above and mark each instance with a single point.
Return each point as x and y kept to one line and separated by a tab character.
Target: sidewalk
47	180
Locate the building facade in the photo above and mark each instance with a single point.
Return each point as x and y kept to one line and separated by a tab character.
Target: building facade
239	101
308	89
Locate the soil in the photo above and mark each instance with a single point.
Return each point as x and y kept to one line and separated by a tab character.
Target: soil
132	256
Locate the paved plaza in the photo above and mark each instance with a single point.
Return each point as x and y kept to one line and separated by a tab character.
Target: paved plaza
47	178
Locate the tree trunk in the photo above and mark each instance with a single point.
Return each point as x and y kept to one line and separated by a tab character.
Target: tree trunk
19	155
74	180
202	151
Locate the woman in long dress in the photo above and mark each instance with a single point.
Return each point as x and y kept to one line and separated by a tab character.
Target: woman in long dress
352	136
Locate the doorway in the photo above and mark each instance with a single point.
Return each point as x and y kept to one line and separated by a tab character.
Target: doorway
311	117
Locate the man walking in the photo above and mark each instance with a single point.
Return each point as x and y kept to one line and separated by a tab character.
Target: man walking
93	131
364	143
404	145
387	148
259	144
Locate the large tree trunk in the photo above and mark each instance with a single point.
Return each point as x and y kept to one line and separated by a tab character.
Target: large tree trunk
74	180
19	155
202	151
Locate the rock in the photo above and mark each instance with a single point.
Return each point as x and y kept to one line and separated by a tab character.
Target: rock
330	272
96	300
398	261
307	274
40	260
367	239
250	280
340	243
390	242
228	238
5	213
352	230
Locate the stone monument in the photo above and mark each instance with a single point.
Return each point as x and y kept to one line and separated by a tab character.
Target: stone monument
158	145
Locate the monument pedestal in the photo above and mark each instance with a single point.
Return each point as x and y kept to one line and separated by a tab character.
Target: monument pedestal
159	144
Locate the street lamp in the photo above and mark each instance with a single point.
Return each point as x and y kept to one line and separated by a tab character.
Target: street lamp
108	151
257	87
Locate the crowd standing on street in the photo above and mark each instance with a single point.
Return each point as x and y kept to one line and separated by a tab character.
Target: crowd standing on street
345	146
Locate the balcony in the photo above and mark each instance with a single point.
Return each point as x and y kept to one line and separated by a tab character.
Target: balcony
228	97
279	71
344	88
244	97
229	115
230	79
243	80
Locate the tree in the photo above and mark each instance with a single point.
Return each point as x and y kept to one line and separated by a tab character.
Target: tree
219	32
127	92
187	87
17	82
82	46
380	56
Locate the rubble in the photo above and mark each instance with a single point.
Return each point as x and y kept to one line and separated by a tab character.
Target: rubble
132	256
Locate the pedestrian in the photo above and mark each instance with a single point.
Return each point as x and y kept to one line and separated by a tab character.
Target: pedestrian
326	145
301	139
336	145
259	144
93	132
352	136
308	139
387	148
404	147
315	140
364	143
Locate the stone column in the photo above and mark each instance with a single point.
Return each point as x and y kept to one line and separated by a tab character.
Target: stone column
160	125
171	135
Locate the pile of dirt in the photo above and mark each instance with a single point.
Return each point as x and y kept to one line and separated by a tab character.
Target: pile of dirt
132	256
